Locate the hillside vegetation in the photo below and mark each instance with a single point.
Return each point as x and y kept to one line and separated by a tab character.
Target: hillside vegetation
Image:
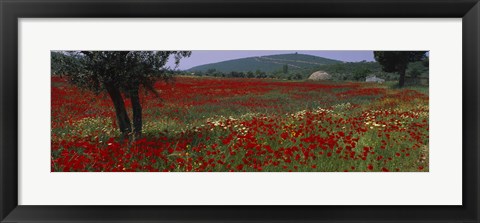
267	64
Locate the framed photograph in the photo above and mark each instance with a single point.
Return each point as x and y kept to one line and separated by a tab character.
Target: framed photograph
227	111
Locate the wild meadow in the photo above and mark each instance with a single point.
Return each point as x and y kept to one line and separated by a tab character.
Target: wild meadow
203	124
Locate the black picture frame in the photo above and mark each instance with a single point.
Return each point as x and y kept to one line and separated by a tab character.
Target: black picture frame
11	11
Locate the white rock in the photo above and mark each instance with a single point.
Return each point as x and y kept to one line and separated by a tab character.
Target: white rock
320	75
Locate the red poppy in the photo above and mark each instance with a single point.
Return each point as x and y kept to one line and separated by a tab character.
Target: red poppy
370	167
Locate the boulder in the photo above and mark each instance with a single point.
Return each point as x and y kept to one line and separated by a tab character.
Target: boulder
320	75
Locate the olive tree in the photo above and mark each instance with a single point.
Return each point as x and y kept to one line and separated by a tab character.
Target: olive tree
116	72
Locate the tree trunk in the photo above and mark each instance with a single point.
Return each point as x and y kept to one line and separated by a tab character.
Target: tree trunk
121	112
137	113
401	82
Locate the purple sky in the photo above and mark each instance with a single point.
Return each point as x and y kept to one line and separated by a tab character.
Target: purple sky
200	57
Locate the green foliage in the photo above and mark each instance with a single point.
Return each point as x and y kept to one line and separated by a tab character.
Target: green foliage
418	69
124	69
397	61
426	62
414	72
357	71
65	62
260	74
211	71
295	76
361	74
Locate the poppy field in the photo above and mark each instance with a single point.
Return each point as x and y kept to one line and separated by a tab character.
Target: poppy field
207	124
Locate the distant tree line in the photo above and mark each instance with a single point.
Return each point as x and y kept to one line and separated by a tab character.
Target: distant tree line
350	71
284	73
232	74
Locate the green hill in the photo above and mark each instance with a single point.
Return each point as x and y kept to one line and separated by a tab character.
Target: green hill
270	63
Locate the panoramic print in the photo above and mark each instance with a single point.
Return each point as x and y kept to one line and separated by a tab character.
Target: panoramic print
240	111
